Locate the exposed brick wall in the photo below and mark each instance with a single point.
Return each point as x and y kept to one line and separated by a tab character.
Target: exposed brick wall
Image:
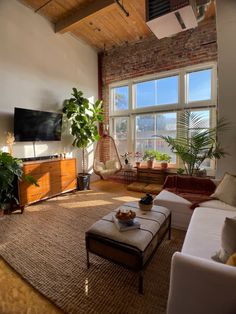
152	55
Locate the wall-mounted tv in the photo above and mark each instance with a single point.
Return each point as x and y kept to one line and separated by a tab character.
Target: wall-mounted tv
34	125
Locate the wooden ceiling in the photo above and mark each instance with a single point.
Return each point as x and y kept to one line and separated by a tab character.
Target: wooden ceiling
100	23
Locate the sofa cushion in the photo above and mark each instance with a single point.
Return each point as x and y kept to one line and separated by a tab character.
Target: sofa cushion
217	204
228	240
225	191
203	237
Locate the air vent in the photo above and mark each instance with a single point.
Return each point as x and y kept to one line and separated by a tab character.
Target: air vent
168	17
158	8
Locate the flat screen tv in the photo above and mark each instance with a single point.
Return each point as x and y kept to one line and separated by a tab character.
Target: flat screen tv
34	125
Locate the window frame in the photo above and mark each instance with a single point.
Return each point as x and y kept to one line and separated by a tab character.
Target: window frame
182	104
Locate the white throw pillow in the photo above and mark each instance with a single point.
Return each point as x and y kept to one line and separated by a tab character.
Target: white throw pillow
100	166
111	164
226	190
228	241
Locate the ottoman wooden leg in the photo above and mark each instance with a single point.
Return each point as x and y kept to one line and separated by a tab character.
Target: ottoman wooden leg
140	284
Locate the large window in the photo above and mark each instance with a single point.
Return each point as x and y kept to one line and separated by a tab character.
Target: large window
142	110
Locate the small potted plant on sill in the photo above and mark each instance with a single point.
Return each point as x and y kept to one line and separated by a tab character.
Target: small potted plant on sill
138	157
150	156
164	159
126	156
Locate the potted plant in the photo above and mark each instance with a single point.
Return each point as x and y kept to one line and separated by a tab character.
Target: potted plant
10	171
83	117
126	157
164	159
138	158
196	143
150	156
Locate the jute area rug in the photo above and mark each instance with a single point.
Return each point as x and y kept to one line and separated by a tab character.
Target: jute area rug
46	246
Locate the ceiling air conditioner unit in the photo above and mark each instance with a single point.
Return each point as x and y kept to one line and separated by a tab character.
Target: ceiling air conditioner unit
168	17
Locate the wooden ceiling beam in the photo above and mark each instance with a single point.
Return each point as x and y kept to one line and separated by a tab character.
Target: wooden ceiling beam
69	23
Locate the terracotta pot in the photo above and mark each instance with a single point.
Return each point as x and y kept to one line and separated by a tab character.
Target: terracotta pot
164	165
150	163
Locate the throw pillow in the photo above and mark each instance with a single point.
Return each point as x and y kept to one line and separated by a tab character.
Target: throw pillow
112	165
226	190
100	166
232	260
228	241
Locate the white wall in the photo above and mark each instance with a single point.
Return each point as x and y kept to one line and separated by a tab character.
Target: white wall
38	69
226	38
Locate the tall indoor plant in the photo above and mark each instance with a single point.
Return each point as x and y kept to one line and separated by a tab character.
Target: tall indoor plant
196	142
83	117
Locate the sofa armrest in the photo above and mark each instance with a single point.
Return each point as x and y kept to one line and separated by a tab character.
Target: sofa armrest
200	286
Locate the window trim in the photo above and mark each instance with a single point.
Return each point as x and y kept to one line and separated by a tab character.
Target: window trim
178	107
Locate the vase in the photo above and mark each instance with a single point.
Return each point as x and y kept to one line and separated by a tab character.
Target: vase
164	165
150	163
138	163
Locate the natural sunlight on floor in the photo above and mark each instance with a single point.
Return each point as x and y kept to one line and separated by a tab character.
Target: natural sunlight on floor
86	204
126	199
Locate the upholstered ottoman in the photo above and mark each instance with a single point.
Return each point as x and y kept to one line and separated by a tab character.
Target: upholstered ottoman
134	248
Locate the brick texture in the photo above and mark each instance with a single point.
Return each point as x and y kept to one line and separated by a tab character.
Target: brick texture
152	55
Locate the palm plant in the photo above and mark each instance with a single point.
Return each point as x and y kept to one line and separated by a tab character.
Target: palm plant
196	142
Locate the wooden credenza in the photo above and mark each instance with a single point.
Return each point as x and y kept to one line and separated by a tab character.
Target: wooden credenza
54	176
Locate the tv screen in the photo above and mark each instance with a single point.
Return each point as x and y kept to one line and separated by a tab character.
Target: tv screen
34	125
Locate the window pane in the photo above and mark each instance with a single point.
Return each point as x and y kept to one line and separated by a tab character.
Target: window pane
167	90
205	119
157	92
199	85
145	94
121	133
166	126
142	145
121	98
145	126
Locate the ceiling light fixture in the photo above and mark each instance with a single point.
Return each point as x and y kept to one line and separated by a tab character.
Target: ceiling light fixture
122	7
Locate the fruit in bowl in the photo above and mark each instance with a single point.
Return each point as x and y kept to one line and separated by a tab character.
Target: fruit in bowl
125	216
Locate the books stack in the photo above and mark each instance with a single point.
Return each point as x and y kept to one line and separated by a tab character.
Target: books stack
123	227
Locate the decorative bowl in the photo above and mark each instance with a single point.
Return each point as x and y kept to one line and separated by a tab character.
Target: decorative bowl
145	207
126	217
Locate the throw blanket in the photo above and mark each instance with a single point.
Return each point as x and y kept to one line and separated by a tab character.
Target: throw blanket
196	190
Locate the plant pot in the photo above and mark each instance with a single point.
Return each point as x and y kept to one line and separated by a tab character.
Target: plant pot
164	165
138	163
150	163
4	207
83	181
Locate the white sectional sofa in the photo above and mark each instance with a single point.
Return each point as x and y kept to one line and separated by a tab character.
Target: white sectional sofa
199	285
180	208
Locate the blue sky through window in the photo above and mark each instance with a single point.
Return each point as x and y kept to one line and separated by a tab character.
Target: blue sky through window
157	92
199	85
121	98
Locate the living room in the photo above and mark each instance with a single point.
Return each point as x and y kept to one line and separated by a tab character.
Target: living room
39	67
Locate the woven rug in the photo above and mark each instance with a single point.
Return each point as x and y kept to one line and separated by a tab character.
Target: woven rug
46	246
